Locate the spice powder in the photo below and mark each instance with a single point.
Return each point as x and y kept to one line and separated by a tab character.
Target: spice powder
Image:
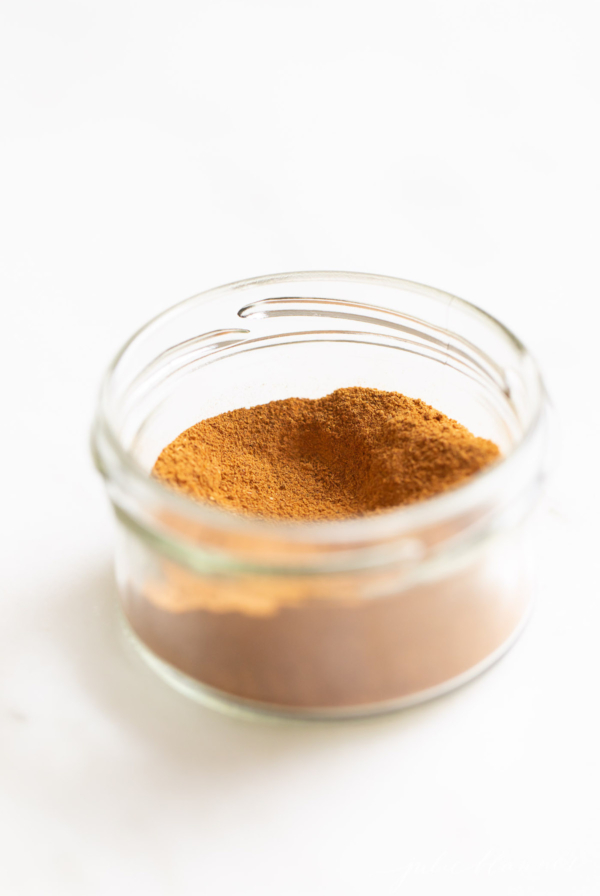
326	642
353	452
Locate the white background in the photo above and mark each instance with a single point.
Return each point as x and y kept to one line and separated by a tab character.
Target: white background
152	150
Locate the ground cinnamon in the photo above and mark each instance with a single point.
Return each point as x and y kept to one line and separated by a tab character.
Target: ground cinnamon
339	641
354	452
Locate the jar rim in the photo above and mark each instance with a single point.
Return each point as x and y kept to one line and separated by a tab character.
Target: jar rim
116	462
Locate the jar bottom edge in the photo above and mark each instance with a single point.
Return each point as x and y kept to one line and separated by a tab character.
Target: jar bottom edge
240	707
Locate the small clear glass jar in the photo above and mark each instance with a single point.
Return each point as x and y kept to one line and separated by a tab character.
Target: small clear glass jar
323	619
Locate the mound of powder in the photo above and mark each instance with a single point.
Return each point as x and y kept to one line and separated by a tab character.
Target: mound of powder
354	452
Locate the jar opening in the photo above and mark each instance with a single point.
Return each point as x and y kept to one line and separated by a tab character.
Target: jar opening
304	335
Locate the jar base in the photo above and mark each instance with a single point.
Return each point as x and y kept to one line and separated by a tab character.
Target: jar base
240	707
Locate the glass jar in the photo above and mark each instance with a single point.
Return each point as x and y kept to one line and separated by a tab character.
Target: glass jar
338	618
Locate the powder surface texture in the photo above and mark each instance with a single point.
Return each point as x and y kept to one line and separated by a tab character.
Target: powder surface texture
354	452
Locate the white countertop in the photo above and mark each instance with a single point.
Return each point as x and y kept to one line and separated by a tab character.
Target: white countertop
154	150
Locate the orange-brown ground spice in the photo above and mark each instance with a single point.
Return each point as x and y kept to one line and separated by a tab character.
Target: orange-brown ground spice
299	640
353	452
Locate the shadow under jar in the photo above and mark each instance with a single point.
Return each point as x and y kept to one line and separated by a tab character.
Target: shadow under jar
322	619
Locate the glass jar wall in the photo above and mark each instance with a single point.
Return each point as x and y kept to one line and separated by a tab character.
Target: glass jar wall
331	618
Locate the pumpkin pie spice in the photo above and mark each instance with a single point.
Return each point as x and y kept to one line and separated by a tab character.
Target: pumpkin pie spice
354	452
325	642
